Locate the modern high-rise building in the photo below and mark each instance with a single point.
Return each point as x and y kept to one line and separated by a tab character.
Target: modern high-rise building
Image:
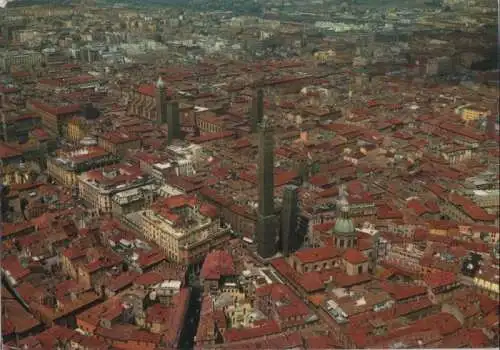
257	110
266	218
289	220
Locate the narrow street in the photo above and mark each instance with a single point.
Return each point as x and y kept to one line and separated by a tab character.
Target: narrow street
188	333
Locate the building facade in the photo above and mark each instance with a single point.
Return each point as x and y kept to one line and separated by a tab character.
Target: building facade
25	59
98	187
54	119
182	228
67	166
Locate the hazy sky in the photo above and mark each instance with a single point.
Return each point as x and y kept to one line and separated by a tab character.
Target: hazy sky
3	3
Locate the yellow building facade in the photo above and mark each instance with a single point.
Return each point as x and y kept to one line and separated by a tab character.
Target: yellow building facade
76	130
489	287
471	113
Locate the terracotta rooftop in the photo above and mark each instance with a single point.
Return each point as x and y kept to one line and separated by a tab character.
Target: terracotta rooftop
312	255
12	264
354	256
217	264
404	291
15	319
310	282
291	305
7	151
265	329
440	279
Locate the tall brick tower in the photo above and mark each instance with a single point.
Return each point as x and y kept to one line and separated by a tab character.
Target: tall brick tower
173	121
257	110
161	102
289	220
266	218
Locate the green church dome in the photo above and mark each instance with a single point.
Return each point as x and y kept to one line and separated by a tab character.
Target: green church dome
343	225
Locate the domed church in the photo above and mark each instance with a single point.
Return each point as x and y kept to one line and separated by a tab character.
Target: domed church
344	233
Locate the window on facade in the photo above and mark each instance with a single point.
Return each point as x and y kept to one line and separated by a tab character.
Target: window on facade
341	243
360	269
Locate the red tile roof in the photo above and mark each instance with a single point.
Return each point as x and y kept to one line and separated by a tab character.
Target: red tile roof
290	305
62	110
8	90
365	244
49	338
312	255
110	309
310	282
417	206
470	208
150	258
215	196
211	136
217	264
121	281
321	342
279	341
466	132
208	210
440	279
10	229
280	177
354	256
387	212
150	90
117	137
264	329
437	189
128	333
74	253
20	74
466	338
446	323
12	264
403	291
319	180
105	261
344	280
171	317
40	133
285	177
7	151
149	278
165	207
432	207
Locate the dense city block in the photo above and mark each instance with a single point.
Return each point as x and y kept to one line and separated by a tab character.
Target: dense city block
249	174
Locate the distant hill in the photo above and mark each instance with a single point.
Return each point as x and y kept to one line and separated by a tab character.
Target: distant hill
21	3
